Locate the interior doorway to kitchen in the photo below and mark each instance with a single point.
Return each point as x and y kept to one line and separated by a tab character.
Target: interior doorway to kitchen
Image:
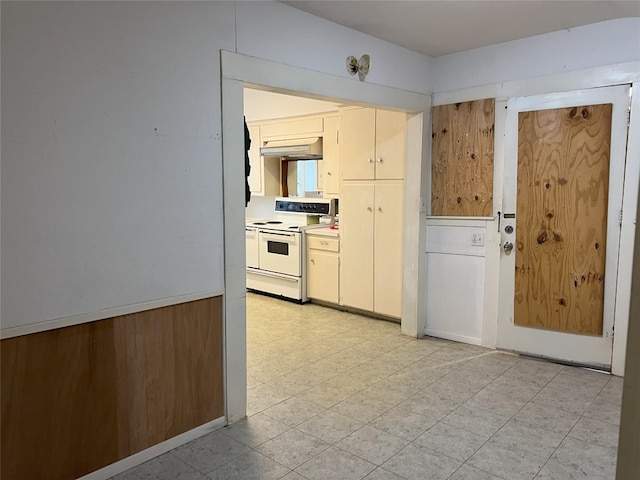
239	71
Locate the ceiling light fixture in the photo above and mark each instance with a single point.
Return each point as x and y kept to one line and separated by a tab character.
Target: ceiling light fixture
360	66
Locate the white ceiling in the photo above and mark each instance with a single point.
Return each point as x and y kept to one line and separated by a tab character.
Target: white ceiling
441	27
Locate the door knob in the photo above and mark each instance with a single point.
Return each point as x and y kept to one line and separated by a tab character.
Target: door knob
508	246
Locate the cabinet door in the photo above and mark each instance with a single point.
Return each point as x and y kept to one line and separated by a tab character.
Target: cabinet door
331	157
255	177
356	250
390	144
323	276
358	144
389	206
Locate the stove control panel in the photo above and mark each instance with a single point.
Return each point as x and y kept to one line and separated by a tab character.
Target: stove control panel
312	207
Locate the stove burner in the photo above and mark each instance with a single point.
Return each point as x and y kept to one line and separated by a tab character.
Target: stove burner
274	222
293	226
258	223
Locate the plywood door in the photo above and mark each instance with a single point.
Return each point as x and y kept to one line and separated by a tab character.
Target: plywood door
389	202
561	218
390	144
356	251
564	175
358	144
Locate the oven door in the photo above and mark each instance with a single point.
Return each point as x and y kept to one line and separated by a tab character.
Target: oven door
280	252
252	247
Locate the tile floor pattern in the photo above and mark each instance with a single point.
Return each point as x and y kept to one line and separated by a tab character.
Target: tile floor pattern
334	395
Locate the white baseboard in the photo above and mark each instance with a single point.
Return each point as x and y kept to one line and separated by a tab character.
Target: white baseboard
155	451
453	336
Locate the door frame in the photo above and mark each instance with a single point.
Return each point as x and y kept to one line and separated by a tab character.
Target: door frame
575	348
238	70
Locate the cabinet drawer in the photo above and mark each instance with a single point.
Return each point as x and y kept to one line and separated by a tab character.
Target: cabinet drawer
327	244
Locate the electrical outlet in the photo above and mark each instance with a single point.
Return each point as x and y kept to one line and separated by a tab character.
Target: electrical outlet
477	240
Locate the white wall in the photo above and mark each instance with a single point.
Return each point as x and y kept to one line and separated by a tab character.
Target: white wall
277	32
111	173
605	43
111	188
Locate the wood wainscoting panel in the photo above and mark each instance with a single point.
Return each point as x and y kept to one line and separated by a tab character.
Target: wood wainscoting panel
79	398
462	159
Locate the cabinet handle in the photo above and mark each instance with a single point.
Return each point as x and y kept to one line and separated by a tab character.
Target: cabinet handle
369	209
380	160
313	261
324	242
329	173
380	209
371	160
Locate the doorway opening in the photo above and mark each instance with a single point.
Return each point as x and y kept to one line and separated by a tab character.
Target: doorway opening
239	72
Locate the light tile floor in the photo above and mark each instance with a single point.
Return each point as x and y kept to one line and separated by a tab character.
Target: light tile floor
334	395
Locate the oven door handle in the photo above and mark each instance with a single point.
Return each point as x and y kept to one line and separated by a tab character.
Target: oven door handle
291	235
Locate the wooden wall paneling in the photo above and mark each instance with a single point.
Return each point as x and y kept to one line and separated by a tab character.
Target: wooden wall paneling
58	403
462	159
79	398
561	220
169	373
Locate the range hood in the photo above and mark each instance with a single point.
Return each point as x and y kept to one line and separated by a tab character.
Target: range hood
299	148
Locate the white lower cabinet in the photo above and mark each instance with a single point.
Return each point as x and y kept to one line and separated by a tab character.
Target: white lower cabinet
323	268
371	246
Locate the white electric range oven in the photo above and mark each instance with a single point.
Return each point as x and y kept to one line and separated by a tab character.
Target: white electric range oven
276	252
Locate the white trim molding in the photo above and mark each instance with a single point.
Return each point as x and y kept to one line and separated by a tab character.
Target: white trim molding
106	313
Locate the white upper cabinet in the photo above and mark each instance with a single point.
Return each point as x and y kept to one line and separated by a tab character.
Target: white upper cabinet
331	157
373	144
264	178
255	177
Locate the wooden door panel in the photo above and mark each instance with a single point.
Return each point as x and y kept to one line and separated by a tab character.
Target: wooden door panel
561	218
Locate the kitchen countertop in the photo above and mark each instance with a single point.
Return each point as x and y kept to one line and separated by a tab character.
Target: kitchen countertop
323	231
